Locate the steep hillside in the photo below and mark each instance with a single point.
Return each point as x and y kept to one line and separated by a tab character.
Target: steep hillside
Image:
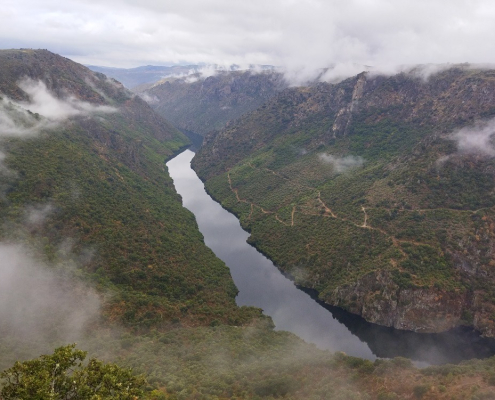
84	182
200	105
378	192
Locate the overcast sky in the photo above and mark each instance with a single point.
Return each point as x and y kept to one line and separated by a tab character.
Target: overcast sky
290	33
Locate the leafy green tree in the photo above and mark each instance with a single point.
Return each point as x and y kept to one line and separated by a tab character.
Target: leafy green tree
64	376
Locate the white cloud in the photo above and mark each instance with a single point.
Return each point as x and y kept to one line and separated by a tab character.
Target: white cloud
478	139
39	302
298	34
46	104
341	164
37	214
19	119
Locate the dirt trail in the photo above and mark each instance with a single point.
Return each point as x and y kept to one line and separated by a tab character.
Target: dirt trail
327	210
328	213
365	217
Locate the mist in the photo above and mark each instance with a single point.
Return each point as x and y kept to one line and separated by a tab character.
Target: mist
45	103
17	121
42	111
477	139
37	214
42	304
341	164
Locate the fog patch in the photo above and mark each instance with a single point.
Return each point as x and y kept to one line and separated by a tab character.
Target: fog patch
5	171
302	76
42	111
37	214
191	78
148	98
16	121
40	302
426	71
341	164
342	71
46	104
477	139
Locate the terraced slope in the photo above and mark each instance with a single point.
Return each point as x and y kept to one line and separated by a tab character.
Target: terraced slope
378	192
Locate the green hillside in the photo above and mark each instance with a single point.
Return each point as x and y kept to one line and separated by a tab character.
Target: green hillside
368	192
86	193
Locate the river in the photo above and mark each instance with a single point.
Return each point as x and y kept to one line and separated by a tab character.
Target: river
262	285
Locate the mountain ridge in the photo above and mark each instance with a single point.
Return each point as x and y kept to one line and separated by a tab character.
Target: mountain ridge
200	104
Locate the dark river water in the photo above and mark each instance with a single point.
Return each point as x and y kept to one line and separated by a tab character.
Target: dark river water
262	285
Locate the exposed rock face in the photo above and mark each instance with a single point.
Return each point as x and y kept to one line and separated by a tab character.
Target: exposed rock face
378	299
200	105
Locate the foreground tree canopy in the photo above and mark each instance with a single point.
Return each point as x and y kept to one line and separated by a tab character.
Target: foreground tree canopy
63	375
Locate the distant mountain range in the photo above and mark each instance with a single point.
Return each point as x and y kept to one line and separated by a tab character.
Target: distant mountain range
132	77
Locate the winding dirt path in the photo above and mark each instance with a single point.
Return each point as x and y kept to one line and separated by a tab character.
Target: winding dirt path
365	217
327	212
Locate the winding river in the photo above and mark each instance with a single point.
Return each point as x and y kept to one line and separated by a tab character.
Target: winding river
262	285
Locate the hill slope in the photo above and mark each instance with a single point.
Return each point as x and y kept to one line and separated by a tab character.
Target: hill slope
89	156
200	105
378	192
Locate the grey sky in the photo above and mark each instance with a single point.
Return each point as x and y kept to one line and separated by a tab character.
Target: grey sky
293	33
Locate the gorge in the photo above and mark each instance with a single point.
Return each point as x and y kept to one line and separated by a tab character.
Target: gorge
262	285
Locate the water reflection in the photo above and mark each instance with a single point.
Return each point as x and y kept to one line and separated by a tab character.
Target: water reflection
262	285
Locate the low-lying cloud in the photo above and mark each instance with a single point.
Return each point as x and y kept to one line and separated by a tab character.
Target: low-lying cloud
15	120
37	214
42	302
477	139
43	110
46	104
148	98
341	164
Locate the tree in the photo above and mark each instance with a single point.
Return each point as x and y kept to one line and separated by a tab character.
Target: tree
64	376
